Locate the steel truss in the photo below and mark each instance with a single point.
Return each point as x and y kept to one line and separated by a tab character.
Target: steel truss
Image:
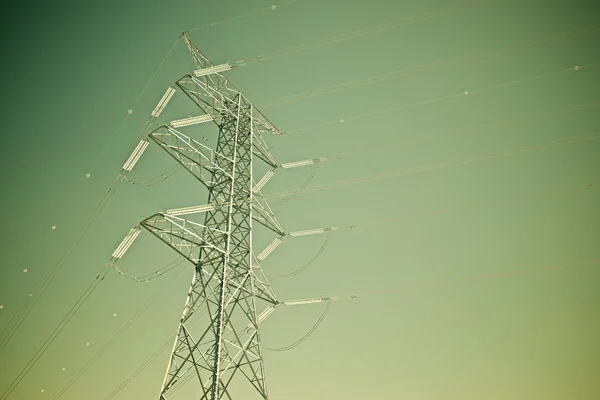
228	283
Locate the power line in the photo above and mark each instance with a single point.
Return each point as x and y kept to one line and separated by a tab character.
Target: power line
429	66
442	164
198	313
62	324
291	194
309	263
464	131
536	194
125	327
446	164
362	32
299	189
527	150
28	304
442	98
30	301
157	179
367	294
307	335
153	275
469	279
270	8
139	97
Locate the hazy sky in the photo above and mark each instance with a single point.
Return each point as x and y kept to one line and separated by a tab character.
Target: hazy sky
463	144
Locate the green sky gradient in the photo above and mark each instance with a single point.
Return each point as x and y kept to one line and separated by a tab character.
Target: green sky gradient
475	254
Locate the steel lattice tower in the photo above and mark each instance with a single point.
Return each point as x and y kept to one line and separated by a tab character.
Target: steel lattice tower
228	282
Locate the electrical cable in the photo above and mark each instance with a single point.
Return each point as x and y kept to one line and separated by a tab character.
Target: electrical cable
535	194
30	301
457	162
300	189
153	275
157	179
377	293
25	308
394	74
295	192
362	32
437	99
112	138
308	264
62	324
463	280
501	123
198	313
270	8
442	164
41	286
469	206
140	369
306	336
469	279
123	329
557	144
443	63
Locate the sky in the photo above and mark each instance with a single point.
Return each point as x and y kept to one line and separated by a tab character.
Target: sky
462	143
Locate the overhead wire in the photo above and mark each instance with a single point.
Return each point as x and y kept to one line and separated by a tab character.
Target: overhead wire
376	292
464	131
469	279
395	289
300	188
42	285
293	193
153	275
30	301
363	32
298	191
438	99
309	263
534	194
270	8
469	206
59	328
306	336
503	122
500	123
115	337
463	280
429	66
441	165
157	179
197	314
137	100
140	369
301	339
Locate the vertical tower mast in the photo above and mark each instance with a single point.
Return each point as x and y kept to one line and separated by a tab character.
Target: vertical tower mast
227	282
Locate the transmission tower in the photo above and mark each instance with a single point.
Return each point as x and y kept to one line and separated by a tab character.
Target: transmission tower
228	284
